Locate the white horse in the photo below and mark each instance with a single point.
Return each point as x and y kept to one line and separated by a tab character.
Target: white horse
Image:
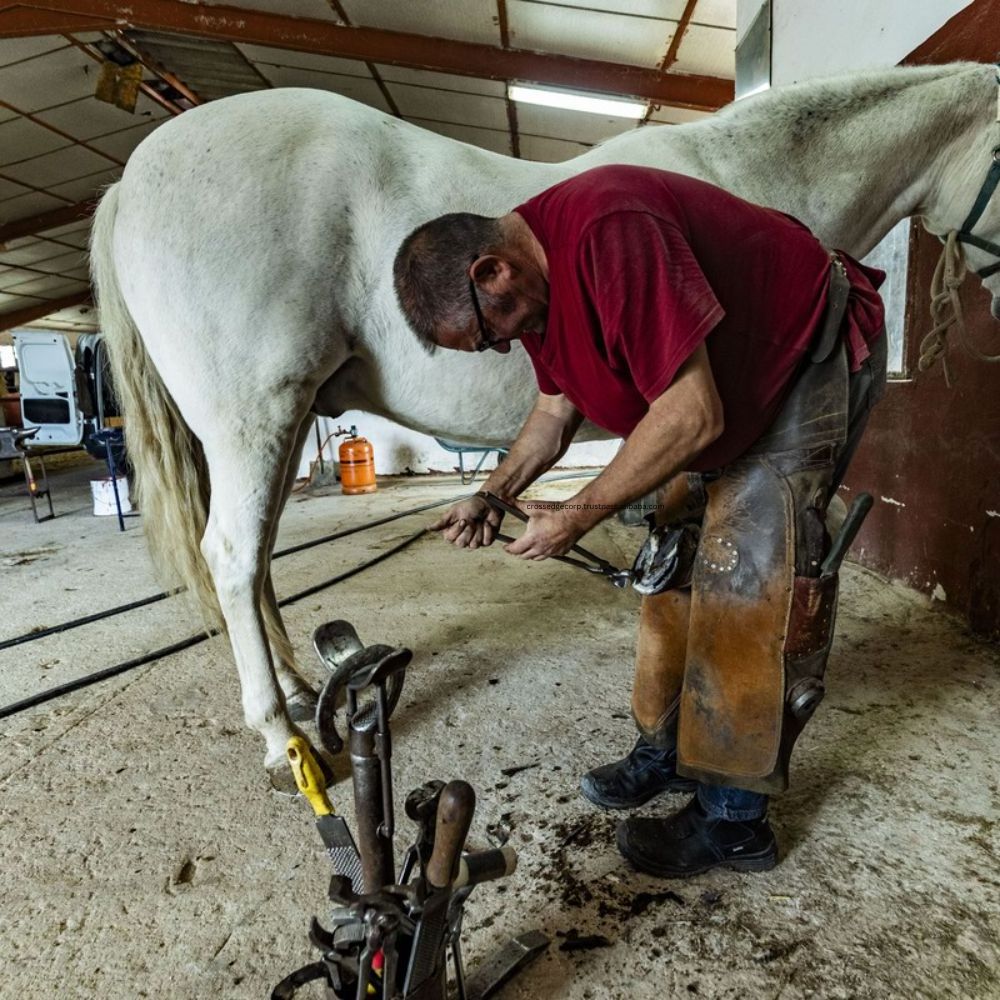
243	266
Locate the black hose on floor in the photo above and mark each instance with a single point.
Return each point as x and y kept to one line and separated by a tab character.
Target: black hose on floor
164	594
192	640
302	546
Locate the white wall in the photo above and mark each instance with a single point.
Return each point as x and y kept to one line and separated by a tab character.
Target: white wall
812	38
398	449
746	11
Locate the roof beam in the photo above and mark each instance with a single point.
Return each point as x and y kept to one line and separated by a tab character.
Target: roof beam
158	70
234	24
675	43
19	317
33	224
512	126
673	48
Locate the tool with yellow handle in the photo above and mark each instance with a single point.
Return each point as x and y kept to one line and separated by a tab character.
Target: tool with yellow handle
332	828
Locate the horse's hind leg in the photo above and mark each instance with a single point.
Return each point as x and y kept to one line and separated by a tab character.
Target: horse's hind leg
248	467
300	698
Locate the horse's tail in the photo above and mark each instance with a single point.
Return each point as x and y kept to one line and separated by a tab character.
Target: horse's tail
170	470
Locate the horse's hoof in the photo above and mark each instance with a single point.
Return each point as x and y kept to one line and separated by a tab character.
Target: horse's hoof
282	778
301	706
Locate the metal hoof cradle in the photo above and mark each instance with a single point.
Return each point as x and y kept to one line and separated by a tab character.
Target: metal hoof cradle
390	935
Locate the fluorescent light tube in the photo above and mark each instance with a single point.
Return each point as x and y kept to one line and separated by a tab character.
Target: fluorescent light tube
574	101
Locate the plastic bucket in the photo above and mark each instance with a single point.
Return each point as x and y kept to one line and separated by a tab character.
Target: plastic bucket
104	496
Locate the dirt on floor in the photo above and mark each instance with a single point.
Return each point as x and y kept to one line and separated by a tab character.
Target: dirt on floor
143	853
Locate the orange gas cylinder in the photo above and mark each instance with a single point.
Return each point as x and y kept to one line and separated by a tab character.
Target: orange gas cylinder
357	464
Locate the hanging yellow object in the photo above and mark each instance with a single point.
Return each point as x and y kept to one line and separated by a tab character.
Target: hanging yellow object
119	85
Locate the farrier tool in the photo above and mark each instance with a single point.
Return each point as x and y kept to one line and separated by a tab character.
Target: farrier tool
454	817
590	562
343	654
856	515
365	678
389	940
333	829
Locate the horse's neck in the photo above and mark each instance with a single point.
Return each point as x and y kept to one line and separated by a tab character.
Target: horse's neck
964	158
850	157
916	150
908	144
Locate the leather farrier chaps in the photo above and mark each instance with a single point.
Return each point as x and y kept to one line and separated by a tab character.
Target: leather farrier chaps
729	667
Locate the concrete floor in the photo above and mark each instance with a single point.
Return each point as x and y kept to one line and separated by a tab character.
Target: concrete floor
142	853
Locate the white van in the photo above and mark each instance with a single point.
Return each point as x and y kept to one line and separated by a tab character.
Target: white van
66	397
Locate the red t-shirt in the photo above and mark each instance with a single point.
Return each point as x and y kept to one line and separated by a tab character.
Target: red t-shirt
644	265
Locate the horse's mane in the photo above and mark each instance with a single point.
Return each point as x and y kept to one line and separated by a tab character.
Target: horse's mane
799	114
815	103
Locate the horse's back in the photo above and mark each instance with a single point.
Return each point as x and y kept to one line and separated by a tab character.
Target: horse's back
254	244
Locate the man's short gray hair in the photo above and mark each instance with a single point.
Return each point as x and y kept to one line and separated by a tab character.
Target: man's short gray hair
431	271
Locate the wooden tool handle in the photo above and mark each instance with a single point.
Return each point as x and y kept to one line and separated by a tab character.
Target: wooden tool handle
454	817
484	866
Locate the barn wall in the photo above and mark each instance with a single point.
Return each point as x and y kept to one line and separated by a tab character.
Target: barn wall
931	456
934	448
400	450
931	459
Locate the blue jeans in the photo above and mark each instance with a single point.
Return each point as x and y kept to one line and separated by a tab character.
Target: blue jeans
731	803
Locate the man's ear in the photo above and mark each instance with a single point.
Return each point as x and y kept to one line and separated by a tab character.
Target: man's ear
492	273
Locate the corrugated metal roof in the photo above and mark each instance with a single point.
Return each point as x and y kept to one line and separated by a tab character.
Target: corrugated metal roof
59	145
211	69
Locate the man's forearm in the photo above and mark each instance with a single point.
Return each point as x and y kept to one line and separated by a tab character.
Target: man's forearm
543	440
643	464
678	426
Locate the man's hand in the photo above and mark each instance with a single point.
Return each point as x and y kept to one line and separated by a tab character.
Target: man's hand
469	524
552	531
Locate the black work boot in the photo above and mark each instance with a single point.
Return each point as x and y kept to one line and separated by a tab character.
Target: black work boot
645	773
691	842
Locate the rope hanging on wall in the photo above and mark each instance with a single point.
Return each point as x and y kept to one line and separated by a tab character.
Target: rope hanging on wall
946	310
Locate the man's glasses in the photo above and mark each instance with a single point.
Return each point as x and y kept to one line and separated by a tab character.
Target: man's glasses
486	338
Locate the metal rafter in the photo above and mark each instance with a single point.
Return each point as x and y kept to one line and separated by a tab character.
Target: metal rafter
19	317
338	8
515	135
675	43
43	221
233	24
34	189
35	120
673	48
150	92
39	222
154	67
